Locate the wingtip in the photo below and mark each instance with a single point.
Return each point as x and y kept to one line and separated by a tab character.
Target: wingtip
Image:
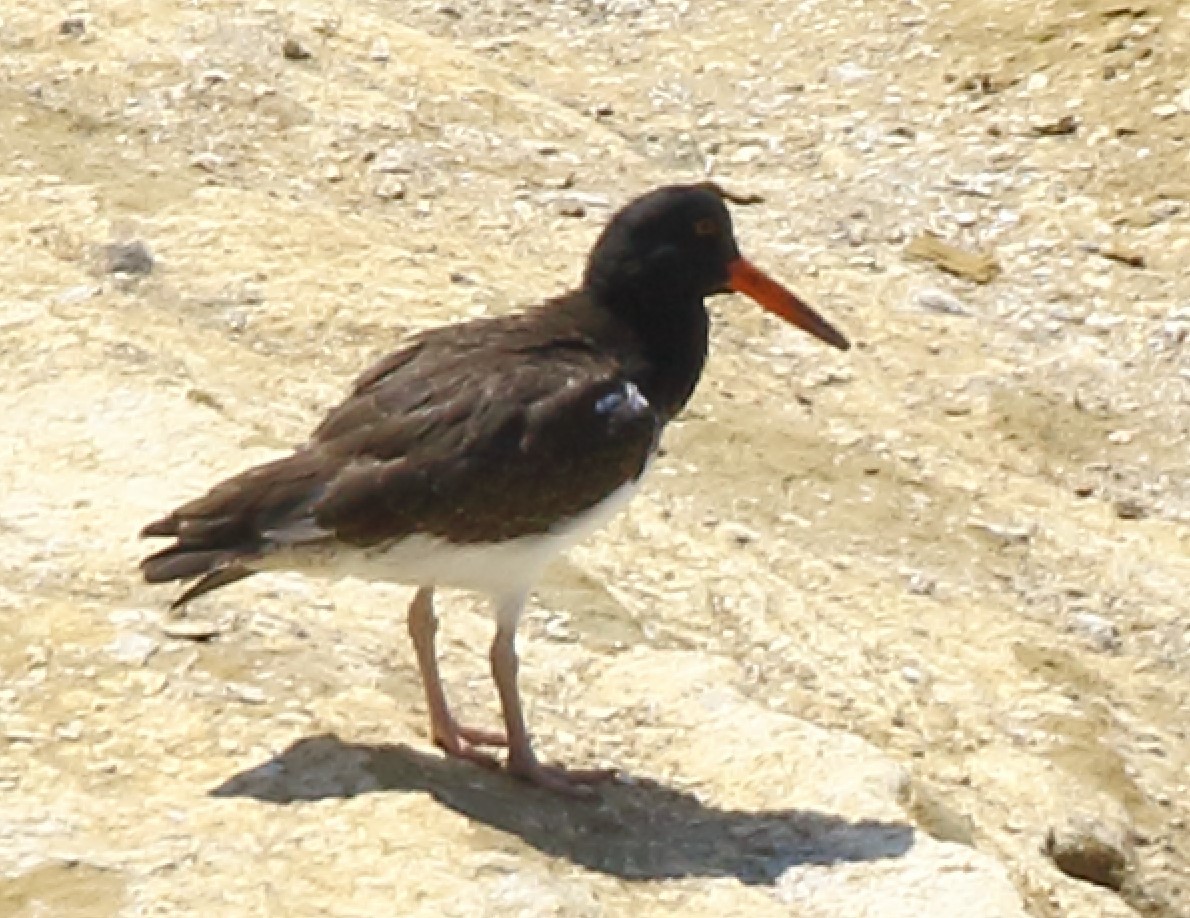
162	528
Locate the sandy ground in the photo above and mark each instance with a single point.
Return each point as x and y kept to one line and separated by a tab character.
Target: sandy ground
878	621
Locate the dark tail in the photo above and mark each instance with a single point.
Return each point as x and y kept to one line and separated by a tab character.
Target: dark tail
218	535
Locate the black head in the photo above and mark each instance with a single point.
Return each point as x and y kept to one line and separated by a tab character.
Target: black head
672	245
665	252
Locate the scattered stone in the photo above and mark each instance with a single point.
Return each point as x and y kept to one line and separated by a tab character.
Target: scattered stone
940	301
1059	127
390	188
922	585
207	162
133	648
209	78
1129	508
1092	849
189	629
912	675
1165	110
747	154
392	161
1123	256
131	257
249	694
73	26
979	267
328	26
379	51
1098	631
740	534
294	50
1007	535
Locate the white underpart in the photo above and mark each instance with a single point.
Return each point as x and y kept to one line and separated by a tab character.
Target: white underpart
502	570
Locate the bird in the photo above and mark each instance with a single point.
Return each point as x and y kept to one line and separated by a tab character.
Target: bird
479	451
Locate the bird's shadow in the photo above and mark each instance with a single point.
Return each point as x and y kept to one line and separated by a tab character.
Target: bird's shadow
637	829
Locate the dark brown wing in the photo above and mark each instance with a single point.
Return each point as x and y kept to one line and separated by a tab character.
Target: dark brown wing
479	440
474	433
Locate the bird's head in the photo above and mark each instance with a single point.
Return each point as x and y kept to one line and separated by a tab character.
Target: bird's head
673	247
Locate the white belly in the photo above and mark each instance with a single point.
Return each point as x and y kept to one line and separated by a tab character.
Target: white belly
496	568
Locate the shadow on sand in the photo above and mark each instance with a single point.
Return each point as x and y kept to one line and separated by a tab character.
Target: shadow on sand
636	830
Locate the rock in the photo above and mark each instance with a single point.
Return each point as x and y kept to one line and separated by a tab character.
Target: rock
207	162
746	154
979	267
379	51
390	188
1058	127
1130	508
1123	256
740	534
127	258
1098	631
1005	535
294	50
819	814
940	301
1093	849
188	629
922	585
131	647
73	26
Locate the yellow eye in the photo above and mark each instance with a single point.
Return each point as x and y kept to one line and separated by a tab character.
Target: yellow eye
705	227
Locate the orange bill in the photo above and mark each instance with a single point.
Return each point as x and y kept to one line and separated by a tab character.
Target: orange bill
749	280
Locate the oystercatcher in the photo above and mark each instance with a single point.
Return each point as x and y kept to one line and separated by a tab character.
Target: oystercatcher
478	452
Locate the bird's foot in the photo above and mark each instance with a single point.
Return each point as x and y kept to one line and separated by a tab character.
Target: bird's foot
571	782
463	742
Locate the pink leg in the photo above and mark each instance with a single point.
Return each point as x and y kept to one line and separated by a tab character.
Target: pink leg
448	734
522	761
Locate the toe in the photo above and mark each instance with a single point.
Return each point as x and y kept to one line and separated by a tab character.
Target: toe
458	748
576	783
478	737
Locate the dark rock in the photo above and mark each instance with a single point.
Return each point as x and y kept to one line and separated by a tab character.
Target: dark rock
127	258
1092	849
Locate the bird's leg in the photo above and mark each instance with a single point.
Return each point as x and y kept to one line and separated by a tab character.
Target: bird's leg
522	761
447	733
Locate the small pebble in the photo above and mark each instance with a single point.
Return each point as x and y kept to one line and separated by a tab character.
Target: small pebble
1098	631
390	188
190	629
127	258
740	534
294	50
940	301
73	26
1092	849
133	648
379	51
1129	508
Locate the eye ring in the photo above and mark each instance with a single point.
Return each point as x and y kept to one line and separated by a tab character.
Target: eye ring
706	227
